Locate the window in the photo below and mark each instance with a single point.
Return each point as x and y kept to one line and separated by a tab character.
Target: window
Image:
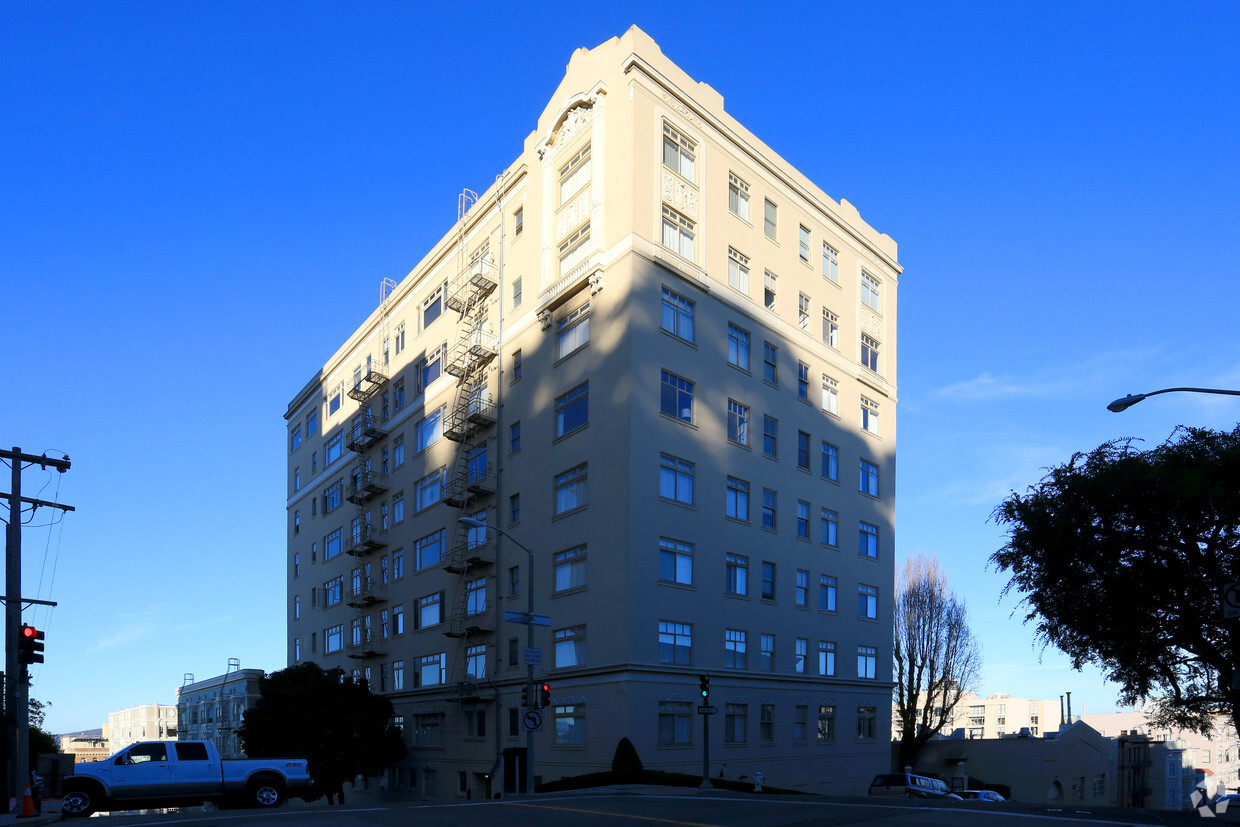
675	643
830	329
516	365
769	216
430	610
518	222
803	450
295	439
398	619
738	197
398	508
828	591
333	639
570	647
514	437
802	589
398	394
766	656
770	363
432	670
804	251
738	574
803	381
514	509
869	291
830	461
830	395
675	722
676	479
429	489
333	496
677	315
432	307
333	404
869	478
570	490
803	312
575	174
400	338
573	249
738	499
738	271
800	723
676	398
768	580
829	527
766	723
738	347
573	331
734	645
332	449
675	562
398	564
476	596
569	568
869	539
333	544
570	725
333	592
677	233
738	422
312	423
769	499
802	519
800	654
830	263
428	551
516	293
826	658
869	353
296	521
867	601
769	291
867	661
429	429
734	718
572	410
431	366
678	152
867	722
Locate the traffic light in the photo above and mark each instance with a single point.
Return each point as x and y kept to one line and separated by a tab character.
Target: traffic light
525	697
704	686
29	645
544	696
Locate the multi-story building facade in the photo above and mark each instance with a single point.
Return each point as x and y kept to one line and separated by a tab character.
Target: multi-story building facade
213	709
664	361
146	722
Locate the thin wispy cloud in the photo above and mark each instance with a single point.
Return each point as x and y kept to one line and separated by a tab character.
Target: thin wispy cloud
133	627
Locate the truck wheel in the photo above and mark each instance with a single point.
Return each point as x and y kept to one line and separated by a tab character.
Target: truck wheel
79	803
264	793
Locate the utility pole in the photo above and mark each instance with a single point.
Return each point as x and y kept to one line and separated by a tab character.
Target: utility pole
16	685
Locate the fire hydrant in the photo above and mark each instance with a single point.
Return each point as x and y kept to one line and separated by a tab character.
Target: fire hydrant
757	782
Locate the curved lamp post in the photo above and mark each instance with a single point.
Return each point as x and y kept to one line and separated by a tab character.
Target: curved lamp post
1126	402
470	522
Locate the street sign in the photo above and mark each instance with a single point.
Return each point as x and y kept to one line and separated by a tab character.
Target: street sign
1231	600
532	720
708	710
533	656
540	620
527	618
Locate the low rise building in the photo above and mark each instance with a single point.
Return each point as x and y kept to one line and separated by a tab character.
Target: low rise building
213	709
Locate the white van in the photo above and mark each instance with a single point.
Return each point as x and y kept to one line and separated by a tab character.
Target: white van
907	784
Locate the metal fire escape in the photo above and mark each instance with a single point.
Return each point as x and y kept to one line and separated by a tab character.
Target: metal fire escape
472	484
367	480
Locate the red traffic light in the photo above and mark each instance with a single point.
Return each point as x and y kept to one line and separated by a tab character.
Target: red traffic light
30	645
30	632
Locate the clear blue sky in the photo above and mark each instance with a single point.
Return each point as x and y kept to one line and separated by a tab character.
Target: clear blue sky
198	202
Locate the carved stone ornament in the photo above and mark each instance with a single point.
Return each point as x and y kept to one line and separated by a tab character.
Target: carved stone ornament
680	109
596	282
872	324
544	319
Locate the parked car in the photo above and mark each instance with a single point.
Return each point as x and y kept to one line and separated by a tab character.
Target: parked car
980	795
907	784
180	773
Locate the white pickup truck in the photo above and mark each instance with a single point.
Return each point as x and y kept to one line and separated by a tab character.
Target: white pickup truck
180	773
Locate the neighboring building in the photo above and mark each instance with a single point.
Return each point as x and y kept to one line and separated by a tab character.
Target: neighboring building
212	709
658	356
994	717
1212	759
1074	766
141	723
87	745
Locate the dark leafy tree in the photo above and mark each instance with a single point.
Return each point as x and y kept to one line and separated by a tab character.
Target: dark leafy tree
340	726
41	741
626	764
936	657
1122	555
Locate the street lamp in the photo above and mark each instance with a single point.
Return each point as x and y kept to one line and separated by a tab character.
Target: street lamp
1131	399
471	522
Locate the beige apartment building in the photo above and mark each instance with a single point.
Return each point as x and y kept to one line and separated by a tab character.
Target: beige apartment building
663	361
148	722
213	709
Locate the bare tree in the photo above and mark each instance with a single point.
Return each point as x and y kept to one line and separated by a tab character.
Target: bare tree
937	659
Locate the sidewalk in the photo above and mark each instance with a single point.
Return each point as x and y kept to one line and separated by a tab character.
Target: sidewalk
51	813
